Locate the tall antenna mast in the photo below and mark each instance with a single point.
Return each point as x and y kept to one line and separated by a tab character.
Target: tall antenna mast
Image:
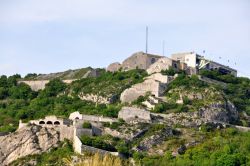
163	47
146	39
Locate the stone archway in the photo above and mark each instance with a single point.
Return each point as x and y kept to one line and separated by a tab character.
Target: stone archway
49	123
42	122
56	123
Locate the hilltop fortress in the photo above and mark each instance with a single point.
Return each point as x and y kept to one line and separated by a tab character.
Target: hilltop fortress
190	62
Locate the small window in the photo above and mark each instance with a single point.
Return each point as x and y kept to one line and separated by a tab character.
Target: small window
152	60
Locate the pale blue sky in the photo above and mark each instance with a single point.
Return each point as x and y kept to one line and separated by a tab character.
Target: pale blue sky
44	36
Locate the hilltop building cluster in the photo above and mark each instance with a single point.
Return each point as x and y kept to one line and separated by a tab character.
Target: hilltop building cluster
190	62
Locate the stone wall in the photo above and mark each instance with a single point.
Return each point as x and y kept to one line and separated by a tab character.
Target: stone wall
188	57
138	60
129	114
91	118
91	149
40	84
82	131
163	64
155	84
3	133
114	67
66	132
77	144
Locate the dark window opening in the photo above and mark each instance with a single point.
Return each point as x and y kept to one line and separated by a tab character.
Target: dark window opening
41	122
49	123
56	123
152	60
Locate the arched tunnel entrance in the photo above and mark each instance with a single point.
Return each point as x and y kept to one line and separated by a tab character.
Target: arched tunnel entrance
56	123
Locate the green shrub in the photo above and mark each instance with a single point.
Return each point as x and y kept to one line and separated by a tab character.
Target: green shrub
86	125
96	142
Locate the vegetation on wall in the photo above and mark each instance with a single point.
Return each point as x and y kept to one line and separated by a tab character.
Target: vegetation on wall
228	147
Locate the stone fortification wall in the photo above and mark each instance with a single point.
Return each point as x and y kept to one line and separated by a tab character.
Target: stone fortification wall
129	114
96	130
58	124
3	133
91	149
140	89
40	84
66	132
139	60
155	84
91	118
163	64
114	67
82	131
77	143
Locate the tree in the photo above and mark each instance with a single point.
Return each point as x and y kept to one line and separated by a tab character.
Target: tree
54	87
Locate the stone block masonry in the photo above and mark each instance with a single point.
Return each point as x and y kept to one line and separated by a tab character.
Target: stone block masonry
40	84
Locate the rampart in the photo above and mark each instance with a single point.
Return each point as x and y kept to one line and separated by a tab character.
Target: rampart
40	84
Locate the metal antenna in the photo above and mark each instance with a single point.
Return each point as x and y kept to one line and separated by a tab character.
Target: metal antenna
163	47
146	39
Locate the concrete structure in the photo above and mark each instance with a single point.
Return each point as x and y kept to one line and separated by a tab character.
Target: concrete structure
114	67
129	114
40	84
64	126
163	64
91	118
198	62
155	84
138	60
72	129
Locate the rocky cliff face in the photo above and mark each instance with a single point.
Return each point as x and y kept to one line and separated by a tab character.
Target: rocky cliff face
217	112
27	141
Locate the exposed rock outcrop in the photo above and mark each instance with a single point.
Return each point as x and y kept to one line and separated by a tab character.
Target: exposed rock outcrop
96	98
27	141
155	139
221	113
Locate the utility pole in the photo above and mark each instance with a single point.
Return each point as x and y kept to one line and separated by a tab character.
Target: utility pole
146	39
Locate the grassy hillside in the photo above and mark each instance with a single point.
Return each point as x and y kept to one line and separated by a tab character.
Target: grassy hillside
18	101
214	146
108	83
227	147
